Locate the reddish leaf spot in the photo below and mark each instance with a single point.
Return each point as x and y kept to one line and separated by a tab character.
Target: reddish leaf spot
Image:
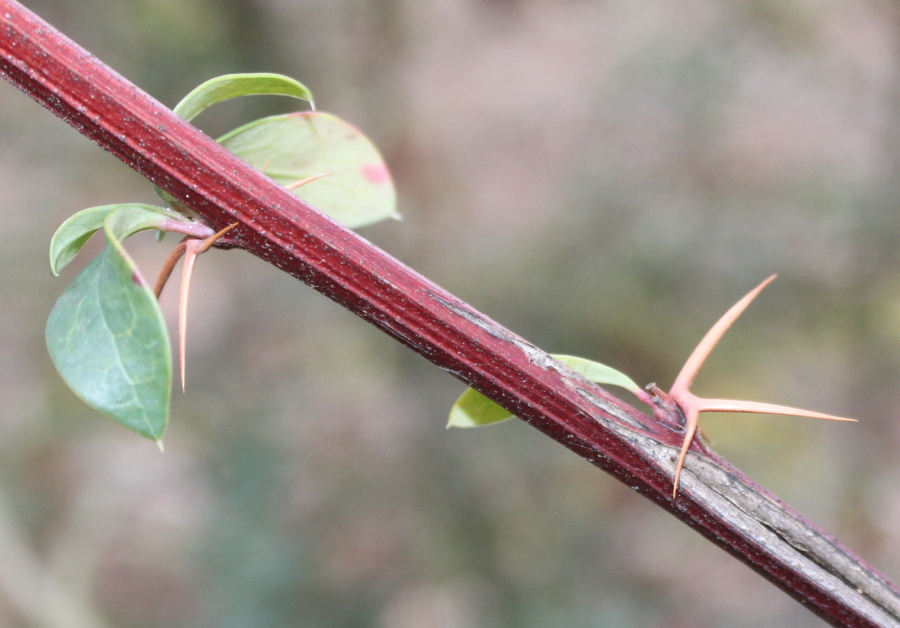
136	278
376	173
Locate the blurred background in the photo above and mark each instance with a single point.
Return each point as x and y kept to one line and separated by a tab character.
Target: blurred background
605	178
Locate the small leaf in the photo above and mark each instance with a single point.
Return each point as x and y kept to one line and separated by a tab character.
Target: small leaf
74	233
106	334
359	189
234	85
473	409
599	373
130	218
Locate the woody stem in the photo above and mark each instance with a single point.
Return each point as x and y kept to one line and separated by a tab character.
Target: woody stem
285	231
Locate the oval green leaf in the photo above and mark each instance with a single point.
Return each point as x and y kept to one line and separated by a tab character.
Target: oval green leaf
473	409
357	191
106	334
234	85
74	233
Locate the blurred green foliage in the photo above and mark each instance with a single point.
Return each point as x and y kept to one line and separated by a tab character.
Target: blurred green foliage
603	177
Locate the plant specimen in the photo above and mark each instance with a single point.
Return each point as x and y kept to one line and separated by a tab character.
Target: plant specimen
282	229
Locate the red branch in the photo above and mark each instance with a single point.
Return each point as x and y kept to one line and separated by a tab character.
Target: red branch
714	498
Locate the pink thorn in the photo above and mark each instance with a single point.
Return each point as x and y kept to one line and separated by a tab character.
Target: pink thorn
296	184
691	405
695	361
729	405
192	250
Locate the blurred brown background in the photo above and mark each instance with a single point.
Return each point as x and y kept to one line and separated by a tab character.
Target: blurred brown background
604	177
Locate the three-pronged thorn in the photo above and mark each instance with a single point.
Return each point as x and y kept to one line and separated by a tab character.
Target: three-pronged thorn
691	405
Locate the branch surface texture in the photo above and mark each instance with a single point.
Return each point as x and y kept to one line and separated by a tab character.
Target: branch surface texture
714	498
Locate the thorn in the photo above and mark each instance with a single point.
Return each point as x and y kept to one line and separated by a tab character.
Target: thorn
187	273
192	250
159	444
302	182
691	405
691	411
168	267
698	357
208	242
728	405
265	165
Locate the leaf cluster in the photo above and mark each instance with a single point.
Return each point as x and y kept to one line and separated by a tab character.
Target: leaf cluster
106	334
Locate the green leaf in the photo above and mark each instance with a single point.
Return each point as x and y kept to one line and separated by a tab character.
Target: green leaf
234	85
598	373
74	233
357	192
473	409
106	334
